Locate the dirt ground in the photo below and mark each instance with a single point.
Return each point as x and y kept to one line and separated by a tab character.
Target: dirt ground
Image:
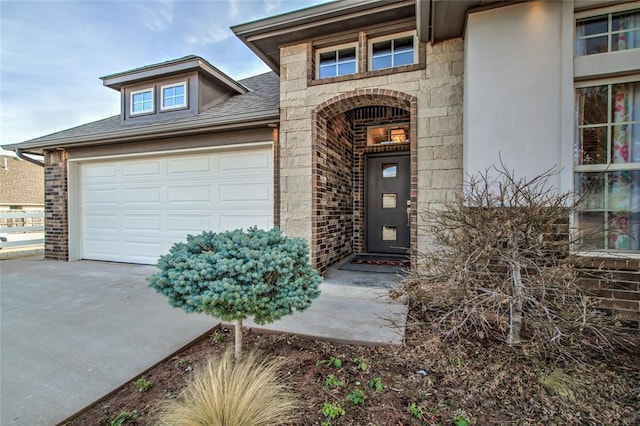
424	382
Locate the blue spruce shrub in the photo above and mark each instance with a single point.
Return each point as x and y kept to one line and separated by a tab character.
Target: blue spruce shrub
235	275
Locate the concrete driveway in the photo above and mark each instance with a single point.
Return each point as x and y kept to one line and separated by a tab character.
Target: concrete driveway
72	332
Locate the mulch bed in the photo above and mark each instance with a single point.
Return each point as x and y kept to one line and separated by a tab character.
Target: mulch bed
426	382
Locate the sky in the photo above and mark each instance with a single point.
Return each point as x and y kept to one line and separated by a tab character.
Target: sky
53	53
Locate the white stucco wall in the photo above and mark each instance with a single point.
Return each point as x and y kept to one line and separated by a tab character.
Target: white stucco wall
516	99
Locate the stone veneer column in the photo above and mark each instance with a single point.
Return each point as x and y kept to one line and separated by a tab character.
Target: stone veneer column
295	144
56	223
439	151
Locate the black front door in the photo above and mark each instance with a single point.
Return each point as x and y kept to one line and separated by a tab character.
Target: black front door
387	196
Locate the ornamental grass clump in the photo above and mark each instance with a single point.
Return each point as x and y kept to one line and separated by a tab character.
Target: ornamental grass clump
230	391
238	274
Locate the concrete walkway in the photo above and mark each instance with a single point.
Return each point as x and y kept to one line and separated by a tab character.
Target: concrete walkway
71	332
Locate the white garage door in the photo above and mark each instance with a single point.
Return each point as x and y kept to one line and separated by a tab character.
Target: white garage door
134	209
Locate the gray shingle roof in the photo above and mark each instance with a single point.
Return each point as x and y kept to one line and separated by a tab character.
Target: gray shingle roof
262	99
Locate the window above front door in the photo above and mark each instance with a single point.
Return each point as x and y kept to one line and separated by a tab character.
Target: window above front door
388	134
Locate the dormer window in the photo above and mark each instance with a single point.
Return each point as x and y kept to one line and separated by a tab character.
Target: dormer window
336	61
393	51
142	101
174	96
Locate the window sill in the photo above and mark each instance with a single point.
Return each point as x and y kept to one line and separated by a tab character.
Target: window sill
607	64
608	260
171	109
367	74
141	114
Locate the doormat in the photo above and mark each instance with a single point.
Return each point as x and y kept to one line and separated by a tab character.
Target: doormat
392	264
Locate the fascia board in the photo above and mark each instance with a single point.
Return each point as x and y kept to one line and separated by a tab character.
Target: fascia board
158	131
221	77
116	81
253	34
302	16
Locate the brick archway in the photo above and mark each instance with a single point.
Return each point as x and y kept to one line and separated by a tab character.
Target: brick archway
335	173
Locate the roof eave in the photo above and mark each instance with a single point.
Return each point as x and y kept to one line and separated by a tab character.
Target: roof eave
306	15
294	26
160	131
116	81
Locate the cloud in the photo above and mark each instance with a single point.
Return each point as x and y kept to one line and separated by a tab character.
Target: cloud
207	36
156	16
272	6
53	52
234	12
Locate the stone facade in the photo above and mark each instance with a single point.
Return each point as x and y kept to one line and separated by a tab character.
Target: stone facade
430	92
56	220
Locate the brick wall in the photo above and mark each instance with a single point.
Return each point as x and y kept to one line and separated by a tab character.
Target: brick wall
616	285
56	225
333	196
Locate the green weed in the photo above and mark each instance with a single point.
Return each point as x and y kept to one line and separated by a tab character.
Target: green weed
122	417
143	384
376	384
332	411
356	397
362	363
461	420
415	411
183	363
331	362
333	382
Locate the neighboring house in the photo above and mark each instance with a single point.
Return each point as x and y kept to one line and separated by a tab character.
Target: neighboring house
21	185
375	111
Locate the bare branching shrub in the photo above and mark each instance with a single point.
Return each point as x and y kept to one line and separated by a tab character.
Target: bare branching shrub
500	268
229	391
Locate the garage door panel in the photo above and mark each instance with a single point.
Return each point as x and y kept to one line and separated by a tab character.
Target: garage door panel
189	166
189	193
188	224
244	192
135	209
141	195
99	172
101	247
100	223
142	223
235	163
245	221
141	168
101	197
151	250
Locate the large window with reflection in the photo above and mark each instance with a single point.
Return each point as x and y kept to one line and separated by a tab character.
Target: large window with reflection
607	164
